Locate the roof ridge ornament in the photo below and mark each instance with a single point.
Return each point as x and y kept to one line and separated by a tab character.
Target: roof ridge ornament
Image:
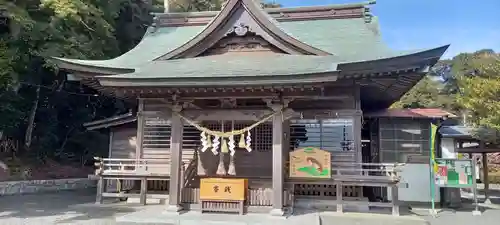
240	29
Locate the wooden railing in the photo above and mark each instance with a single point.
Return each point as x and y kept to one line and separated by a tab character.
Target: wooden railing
368	169
111	166
365	169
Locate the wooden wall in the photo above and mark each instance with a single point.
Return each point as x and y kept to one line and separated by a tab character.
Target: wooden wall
123	140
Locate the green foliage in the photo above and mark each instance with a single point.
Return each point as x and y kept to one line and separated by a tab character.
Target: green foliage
39	29
480	93
426	94
471	84
36	96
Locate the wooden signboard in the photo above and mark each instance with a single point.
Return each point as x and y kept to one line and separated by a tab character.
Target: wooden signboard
310	163
223	189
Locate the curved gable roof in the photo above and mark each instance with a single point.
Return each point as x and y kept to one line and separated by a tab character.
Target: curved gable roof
257	14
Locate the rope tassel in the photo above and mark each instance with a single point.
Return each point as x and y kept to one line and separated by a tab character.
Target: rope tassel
224	148
241	143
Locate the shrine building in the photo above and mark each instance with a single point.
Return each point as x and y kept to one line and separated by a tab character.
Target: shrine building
254	109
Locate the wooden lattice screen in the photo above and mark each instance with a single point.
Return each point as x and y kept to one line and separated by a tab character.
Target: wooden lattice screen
156	145
156	140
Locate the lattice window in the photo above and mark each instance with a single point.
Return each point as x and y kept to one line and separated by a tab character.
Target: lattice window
157	131
329	134
402	137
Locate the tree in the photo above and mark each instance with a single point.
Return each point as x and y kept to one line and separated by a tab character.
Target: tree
428	93
42	111
39	107
480	93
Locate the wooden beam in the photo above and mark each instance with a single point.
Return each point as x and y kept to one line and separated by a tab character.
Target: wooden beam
477	150
303	91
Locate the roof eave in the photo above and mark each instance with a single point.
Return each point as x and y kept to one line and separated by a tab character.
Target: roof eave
111	122
414	66
331	76
80	67
429	57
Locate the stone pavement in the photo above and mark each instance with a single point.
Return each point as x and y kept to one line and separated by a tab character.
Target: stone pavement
78	208
64	207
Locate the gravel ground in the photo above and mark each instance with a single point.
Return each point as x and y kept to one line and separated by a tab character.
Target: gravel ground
79	208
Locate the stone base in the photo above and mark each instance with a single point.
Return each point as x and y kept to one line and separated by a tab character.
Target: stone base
39	186
329	205
476	213
148	200
173	209
277	212
156	215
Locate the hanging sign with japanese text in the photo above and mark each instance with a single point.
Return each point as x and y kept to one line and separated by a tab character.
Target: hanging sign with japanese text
456	173
310	163
223	189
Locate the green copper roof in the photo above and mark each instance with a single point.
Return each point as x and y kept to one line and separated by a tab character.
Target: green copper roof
342	37
223	66
339	36
263	69
154	44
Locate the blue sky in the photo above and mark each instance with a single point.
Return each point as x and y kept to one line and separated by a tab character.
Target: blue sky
467	25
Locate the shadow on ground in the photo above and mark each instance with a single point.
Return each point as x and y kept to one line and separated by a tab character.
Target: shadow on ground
63	207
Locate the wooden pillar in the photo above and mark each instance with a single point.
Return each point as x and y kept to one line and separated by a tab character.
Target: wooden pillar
144	191
395	200
357	126
486	180
278	164
100	189
286	141
339	192
140	129
174	200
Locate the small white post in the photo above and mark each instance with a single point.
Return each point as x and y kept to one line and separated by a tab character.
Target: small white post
166	6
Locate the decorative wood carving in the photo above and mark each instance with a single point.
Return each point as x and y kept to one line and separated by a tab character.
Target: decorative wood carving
240	29
241	39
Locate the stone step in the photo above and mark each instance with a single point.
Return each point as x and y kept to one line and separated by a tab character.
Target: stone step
148	201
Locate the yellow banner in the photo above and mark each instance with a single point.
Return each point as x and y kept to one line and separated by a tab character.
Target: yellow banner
433	147
223	189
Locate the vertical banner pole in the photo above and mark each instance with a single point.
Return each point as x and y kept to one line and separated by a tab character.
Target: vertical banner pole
476	211
431	168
